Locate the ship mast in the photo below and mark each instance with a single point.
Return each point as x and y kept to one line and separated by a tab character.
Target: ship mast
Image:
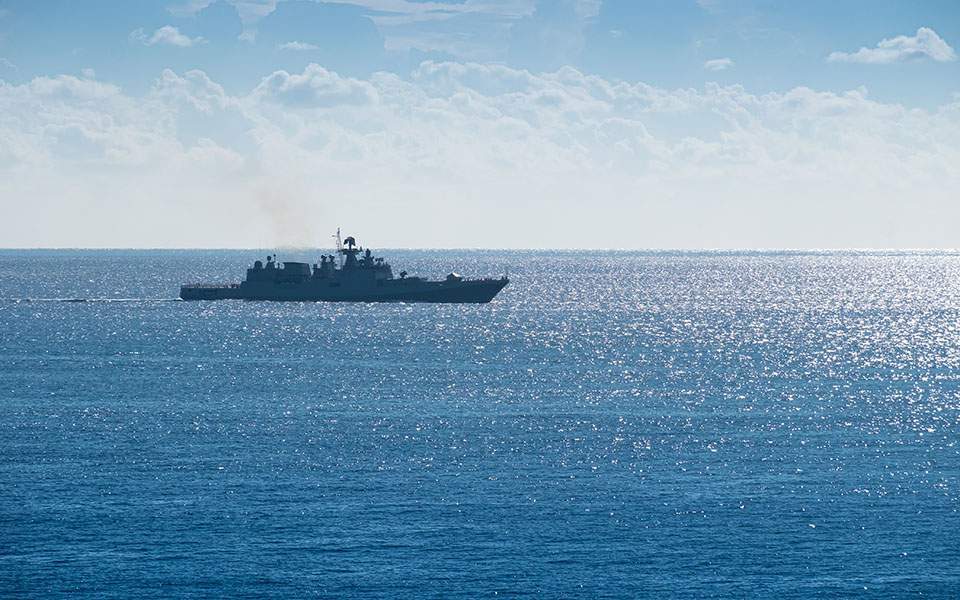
339	248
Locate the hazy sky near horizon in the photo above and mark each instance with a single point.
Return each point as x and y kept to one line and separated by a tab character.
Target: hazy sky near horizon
480	123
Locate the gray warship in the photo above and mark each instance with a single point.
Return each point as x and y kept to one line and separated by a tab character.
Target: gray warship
355	275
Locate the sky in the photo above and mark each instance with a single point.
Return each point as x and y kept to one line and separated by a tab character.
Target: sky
480	123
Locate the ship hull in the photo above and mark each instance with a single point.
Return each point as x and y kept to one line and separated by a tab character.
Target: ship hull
396	290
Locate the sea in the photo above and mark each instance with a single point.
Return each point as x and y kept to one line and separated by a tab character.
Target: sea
613	425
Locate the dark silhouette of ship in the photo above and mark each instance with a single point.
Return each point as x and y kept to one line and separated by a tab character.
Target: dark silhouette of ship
355	276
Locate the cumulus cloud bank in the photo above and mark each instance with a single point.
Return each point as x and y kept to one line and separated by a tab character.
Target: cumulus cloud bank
166	35
315	88
925	44
460	154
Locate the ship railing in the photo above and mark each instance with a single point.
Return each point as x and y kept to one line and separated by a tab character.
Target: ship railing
464	279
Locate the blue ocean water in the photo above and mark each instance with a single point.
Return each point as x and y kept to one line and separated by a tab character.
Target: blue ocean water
614	424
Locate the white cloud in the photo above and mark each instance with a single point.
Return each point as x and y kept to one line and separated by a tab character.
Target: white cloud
250	11
587	9
316	87
468	29
926	43
168	35
68	87
461	154
6	64
718	64
194	89
297	46
471	29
